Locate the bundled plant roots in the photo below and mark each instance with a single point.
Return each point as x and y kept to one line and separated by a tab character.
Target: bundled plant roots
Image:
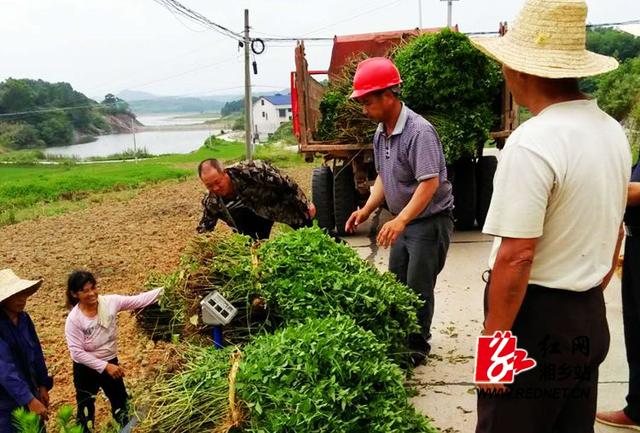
214	261
342	120
197	398
324	375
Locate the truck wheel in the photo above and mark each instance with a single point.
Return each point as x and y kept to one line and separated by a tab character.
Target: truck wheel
464	194
486	170
322	192
345	197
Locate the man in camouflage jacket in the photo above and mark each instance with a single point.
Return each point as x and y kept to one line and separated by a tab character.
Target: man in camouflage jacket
250	196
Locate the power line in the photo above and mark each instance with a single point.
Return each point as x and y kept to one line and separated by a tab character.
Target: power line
180	74
46	110
179	8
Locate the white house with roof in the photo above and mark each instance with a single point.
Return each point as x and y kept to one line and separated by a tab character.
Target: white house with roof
269	112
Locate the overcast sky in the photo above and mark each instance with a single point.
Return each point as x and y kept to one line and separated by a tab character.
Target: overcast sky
102	46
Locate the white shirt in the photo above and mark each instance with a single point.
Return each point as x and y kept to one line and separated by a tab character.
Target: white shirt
93	341
562	178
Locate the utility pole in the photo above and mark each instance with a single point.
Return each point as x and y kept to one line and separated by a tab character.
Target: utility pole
248	109
449	12
420	14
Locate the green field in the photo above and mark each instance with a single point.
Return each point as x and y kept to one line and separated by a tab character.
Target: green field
32	190
29	189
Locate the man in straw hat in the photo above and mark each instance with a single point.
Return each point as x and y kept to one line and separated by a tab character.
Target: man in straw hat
556	212
24	380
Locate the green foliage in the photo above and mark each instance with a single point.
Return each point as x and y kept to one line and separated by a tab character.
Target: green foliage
114	105
283	135
56	129
233	107
446	79
19	136
342	119
192	400
619	90
29	422
305	273
324	375
21	187
238	123
32	105
26	422
214	261
443	71
633	124
612	42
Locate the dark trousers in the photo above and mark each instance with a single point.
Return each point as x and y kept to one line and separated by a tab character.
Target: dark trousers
568	336
250	224
416	259
87	382
631	318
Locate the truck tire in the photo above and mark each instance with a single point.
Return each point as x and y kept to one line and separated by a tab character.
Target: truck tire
345	197
464	194
486	170
322	197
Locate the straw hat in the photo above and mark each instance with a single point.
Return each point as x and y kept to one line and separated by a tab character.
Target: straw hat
548	40
11	284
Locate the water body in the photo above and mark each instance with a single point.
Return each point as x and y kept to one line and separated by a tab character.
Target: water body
154	142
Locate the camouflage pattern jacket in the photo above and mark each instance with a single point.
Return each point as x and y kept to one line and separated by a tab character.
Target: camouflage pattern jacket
262	188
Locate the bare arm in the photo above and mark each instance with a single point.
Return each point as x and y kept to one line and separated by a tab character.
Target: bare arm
420	200
616	256
508	286
376	198
634	194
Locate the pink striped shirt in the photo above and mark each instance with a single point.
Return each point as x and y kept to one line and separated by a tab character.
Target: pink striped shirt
92	344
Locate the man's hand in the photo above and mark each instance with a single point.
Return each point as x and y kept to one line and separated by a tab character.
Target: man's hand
44	396
38	408
390	232
114	371
357	217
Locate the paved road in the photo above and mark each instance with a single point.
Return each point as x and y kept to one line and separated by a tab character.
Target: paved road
446	391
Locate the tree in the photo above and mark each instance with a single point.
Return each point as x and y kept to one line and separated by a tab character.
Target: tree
619	90
114	105
16	96
612	42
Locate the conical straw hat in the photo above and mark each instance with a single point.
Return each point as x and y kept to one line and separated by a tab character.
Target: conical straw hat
11	284
548	39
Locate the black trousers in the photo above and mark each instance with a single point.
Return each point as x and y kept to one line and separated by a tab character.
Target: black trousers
568	336
416	259
631	318
87	382
250	224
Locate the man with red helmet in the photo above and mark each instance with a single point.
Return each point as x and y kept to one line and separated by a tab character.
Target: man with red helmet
412	178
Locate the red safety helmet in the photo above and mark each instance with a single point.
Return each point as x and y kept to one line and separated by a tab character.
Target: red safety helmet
375	73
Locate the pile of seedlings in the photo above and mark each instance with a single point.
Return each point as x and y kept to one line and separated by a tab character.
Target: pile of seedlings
318	345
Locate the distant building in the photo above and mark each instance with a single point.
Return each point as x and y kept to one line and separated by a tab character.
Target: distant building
269	112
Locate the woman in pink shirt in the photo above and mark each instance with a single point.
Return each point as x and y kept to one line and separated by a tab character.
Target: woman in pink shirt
91	333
